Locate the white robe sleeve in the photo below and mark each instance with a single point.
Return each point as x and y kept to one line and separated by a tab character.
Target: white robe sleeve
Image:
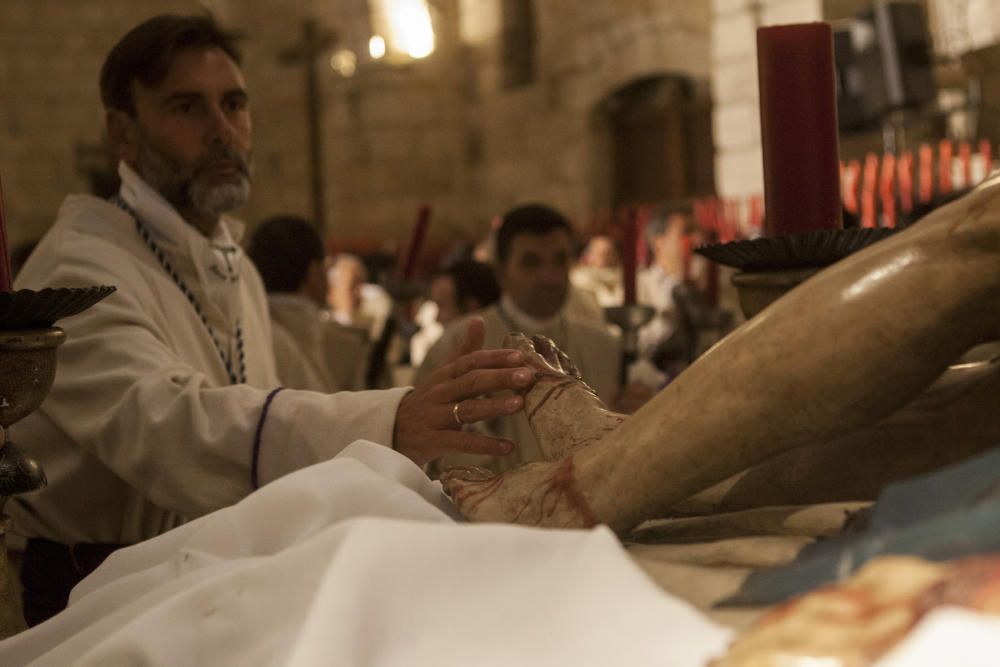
135	390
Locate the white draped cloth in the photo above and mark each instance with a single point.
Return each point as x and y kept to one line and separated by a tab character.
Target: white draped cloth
357	561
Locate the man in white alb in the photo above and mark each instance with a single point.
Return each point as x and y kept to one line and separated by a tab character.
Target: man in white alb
166	405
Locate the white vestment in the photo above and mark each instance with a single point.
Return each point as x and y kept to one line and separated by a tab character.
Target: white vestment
142	429
356	561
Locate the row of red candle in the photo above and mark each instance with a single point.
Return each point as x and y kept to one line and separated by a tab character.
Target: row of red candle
890	179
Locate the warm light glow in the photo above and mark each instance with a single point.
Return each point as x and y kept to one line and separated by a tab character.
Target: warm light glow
406	25
344	62
411	29
376	47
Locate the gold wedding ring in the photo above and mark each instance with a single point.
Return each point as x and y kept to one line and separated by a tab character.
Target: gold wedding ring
454	413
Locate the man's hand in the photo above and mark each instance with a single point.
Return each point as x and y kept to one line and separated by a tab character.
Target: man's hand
427	422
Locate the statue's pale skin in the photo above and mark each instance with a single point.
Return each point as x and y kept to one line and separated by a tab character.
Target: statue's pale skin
824	395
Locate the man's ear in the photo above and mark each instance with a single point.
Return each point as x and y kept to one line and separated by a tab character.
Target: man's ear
123	133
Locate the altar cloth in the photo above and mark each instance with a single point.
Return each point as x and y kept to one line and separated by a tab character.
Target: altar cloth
358	561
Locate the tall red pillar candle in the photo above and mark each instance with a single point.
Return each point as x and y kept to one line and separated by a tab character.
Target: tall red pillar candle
905	169
926	183
628	255
945	154
408	260
798	120
712	284
686	246
756	214
642	251
5	278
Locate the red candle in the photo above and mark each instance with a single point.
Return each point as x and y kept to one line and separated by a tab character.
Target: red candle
712	284
686	245
5	279
756	213
852	178
628	256
945	154
798	120
905	165
926	170
887	190
642	253
408	264
868	191
986	150
965	159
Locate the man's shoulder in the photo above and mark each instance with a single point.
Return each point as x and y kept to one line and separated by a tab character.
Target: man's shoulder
87	243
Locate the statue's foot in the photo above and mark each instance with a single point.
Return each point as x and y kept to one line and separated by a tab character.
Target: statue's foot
564	412
535	494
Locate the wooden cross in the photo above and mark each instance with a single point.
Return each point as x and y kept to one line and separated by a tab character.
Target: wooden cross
314	43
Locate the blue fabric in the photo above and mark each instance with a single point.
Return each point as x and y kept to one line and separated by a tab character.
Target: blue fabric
946	514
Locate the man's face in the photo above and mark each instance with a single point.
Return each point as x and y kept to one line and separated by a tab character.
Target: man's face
601	252
536	273
667	246
190	136
442	293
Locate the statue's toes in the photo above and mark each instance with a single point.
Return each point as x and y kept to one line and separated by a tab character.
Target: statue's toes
549	352
460	474
567	364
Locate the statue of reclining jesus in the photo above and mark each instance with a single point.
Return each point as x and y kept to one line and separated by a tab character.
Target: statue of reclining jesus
825	395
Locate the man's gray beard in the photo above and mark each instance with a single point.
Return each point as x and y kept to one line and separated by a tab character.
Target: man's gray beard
182	188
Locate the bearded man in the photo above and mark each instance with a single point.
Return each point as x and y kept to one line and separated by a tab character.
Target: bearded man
166	405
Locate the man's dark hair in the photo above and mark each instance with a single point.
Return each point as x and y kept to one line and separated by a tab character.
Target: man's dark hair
473	280
145	53
283	247
535	219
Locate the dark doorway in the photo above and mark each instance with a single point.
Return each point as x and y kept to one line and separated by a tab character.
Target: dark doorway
660	141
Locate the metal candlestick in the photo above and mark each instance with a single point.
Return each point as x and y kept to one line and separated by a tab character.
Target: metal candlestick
629	318
28	343
770	266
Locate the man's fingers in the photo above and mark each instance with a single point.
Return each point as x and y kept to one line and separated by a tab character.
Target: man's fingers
477	409
484	359
481	382
468	442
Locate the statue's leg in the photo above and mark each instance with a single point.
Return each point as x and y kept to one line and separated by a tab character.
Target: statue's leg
842	351
957	418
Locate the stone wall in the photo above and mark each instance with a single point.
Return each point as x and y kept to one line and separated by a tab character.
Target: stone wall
440	130
443	130
50	55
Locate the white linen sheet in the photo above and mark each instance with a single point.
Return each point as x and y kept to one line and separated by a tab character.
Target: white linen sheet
357	561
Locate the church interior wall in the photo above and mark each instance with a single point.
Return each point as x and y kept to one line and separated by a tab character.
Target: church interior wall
445	130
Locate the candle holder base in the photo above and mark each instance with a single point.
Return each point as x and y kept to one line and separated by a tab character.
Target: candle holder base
757	290
794	251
